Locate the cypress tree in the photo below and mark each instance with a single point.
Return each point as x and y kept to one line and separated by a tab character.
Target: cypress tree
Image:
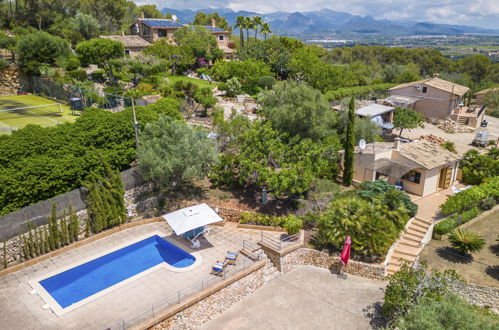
5	263
25	247
38	241
75	226
87	226
54	228
48	239
31	242
41	240
64	230
349	146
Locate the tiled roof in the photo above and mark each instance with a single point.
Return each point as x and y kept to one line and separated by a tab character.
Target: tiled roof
128	41
373	110
426	154
215	29
485	91
436	83
164	23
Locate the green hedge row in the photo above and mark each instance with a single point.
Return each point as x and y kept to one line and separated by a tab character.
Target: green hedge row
471	197
451	223
291	223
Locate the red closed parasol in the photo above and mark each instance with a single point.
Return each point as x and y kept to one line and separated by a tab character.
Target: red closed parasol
345	254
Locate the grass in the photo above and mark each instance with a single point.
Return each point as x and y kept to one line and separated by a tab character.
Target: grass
199	82
481	267
44	116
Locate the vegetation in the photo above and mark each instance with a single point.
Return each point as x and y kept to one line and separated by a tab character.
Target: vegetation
407	119
450	146
349	146
477	167
466	241
370	190
172	154
410	285
291	223
449	224
100	52
247	73
449	312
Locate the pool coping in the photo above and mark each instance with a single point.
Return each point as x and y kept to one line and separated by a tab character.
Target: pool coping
59	310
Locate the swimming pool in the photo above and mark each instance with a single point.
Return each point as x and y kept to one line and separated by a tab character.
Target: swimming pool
77	284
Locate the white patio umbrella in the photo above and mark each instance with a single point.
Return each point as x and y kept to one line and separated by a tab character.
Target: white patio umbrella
191	218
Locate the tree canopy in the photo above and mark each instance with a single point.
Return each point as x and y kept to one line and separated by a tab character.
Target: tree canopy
38	48
407	119
204	19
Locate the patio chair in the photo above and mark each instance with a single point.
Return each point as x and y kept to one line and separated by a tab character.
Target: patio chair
231	257
218	268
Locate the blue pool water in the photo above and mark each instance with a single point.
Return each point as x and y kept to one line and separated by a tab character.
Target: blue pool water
78	283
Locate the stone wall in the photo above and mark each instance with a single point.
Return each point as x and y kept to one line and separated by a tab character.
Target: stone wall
478	295
316	258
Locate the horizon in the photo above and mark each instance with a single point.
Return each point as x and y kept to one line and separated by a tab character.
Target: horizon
483	14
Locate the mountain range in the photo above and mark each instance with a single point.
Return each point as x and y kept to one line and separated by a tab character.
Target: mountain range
326	21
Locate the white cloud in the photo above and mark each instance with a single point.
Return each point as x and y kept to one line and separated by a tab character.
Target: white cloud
471	12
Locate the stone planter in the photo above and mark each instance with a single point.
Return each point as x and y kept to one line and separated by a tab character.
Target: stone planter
437	236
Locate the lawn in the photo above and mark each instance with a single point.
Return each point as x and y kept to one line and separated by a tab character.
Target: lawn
199	82
43	116
481	267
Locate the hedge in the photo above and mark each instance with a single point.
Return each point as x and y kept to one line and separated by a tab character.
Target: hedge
449	224
291	223
464	200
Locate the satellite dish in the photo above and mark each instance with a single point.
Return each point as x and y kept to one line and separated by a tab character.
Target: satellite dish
362	144
174	17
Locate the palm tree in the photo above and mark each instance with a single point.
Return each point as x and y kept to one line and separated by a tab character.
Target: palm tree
241	24
257	22
248	24
265	29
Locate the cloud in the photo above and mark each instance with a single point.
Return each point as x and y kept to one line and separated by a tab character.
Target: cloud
483	13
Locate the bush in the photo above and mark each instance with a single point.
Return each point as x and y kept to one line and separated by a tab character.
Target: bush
466	241
3	64
72	63
449	224
371	189
463	200
222	86
233	87
146	89
266	82
80	75
98	76
260	219
293	225
488	203
450	146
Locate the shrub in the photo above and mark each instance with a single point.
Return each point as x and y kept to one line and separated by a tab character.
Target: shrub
146	89
450	146
449	224
371	189
463	200
3	64
72	63
80	75
233	87
266	82
488	203
222	86
293	225
466	241
98	76
260	219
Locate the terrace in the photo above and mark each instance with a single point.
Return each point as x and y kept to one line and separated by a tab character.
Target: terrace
137	301
471	116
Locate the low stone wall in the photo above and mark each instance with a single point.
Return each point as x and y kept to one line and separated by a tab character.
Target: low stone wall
478	295
316	258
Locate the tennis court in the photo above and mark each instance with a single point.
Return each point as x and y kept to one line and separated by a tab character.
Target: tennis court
31	109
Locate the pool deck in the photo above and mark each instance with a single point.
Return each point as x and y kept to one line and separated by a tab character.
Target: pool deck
21	310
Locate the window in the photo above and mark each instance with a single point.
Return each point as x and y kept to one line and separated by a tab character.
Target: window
127	52
146	30
162	33
413	176
425	89
221	38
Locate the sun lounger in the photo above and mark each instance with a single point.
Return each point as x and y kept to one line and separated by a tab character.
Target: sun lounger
218	268
231	257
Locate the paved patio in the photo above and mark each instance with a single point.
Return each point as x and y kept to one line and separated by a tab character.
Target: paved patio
305	298
430	205
21	310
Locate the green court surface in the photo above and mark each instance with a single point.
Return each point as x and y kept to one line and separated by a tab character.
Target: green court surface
43	116
199	82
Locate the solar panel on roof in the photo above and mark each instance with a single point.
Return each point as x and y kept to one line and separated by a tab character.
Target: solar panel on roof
214	29
161	23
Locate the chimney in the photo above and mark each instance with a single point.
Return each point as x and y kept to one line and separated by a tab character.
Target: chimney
396	146
213	23
142	15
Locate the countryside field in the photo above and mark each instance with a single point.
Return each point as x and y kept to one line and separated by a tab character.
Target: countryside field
43	116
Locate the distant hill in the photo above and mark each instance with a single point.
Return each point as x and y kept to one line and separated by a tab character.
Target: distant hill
330	21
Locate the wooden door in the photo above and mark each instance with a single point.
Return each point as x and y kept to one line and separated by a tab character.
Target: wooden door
445	179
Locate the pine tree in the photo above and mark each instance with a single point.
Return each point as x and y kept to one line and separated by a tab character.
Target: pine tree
349	145
64	230
5	263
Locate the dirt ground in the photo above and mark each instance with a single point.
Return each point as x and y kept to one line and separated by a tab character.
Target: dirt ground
480	268
461	140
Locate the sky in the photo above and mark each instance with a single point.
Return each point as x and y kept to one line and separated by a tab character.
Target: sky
483	13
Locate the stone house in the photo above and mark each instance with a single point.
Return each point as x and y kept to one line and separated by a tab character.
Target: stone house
480	96
133	44
420	168
437	98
